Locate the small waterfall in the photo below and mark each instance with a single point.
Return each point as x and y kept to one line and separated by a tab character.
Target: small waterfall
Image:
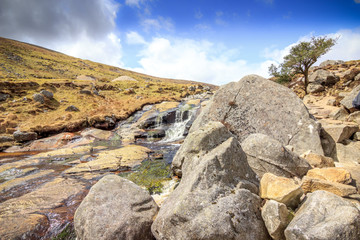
176	130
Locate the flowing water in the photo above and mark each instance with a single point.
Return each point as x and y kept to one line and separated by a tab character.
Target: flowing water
28	172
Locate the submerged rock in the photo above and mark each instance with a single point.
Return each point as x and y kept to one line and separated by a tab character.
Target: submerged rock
257	105
115	208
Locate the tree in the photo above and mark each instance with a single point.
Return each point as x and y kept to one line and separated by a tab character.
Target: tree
302	56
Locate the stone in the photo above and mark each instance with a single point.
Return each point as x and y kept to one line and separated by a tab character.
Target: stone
331	62
331	102
263	106
4	97
280	189
265	154
38	98
323	77
357	77
115	208
347	101
85	91
313	184
276	217
357	136
315	88
197	144
47	94
72	108
340	132
339	114
24	136
348	152
332	174
319	161
350	74
4	139
354	117
325	216
214	199
129	91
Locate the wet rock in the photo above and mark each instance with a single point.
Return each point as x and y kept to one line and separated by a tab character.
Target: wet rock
213	199
325	216
47	94
280	189
115	208
4	97
98	134
262	106
266	154
319	161
340	132
72	108
276	217
38	98
313	184
24	136
198	144
22	180
347	101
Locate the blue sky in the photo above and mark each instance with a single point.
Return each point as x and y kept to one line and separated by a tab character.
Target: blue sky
204	40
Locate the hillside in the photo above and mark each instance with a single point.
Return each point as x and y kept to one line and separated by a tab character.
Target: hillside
102	94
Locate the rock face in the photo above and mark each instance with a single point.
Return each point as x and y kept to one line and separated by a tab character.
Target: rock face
347	101
266	154
323	77
215	198
115	208
331	62
257	105
284	190
276	217
325	216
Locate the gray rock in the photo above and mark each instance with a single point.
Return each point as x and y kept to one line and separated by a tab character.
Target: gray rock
192	88
257	105
325	216
331	62
348	152
331	102
347	101
323	77
115	208
354	117
47	94
266	154
24	136
357	136
276	217
38	98
315	88
339	114
211	201
6	139
196	145
4	97
86	92
357	77
340	132
350	74
72	108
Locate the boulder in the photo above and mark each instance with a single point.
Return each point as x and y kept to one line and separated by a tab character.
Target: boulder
24	136
115	208
215	198
325	216
313	184
348	152
4	97
340	132
4	139
356	136
339	114
258	105
332	174
85	91
323	77
266	154
199	143
354	117
38	98
357	77
47	94
276	217
331	62
350	74
319	161
280	189
347	101
315	88
72	108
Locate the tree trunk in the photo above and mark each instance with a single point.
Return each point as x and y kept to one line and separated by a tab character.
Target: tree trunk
306	83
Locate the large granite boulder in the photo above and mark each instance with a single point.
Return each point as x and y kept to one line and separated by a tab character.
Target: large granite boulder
266	154
331	62
325	216
216	198
323	77
257	105
347	101
115	208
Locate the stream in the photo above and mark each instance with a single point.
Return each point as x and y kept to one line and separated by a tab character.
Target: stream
44	181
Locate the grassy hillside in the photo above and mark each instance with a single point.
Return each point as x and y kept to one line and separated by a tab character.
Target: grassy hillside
26	69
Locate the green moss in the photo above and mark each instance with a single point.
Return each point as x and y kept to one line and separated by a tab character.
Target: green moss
68	233
150	174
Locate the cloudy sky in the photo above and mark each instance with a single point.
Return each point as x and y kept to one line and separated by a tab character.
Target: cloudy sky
214	41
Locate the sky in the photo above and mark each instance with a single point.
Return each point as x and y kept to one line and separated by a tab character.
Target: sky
213	41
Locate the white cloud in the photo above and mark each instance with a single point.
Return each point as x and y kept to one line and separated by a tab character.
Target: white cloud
195	60
152	24
198	14
132	2
134	38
